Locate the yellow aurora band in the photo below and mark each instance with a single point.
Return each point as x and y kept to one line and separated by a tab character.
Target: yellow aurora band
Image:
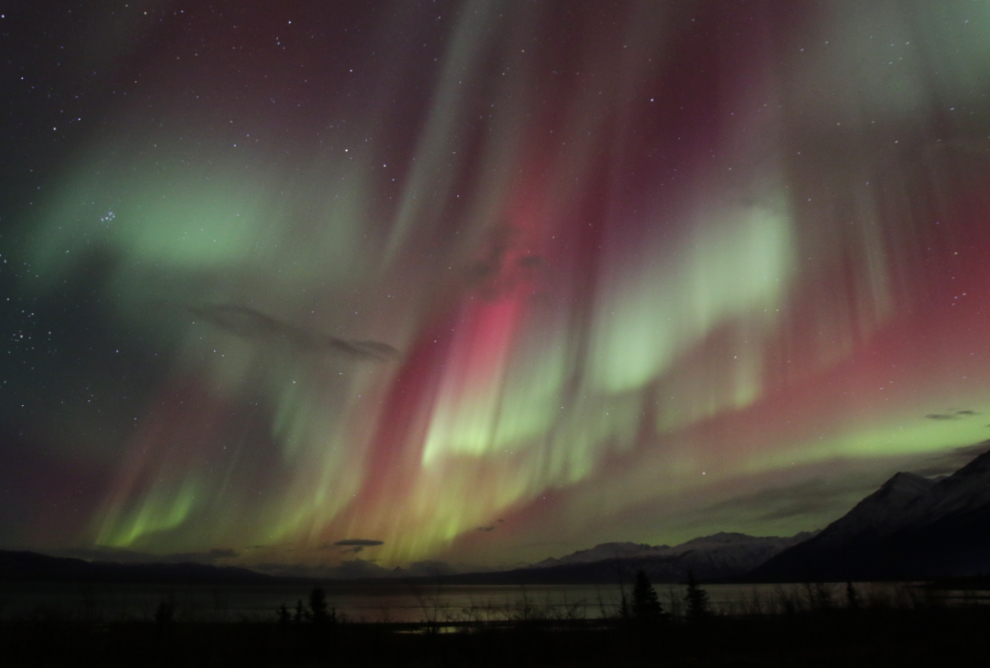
632	272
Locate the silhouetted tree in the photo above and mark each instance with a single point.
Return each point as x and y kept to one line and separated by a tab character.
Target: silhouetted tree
646	604
819	596
319	614
625	611
852	597
165	613
283	617
300	613
695	600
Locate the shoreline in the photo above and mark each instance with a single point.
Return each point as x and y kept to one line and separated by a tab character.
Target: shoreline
831	636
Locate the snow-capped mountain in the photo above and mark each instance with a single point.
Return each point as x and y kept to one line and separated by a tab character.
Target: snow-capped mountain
606	551
722	555
912	527
740	546
965	491
879	514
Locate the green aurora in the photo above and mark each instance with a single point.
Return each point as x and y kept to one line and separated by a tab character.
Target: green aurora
652	270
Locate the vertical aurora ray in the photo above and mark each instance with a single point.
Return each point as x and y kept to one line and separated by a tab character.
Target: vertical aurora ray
637	263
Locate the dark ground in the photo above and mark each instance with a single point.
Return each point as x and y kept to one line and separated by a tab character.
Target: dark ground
919	637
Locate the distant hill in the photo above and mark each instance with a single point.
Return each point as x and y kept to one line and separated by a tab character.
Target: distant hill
723	555
726	548
910	528
720	556
32	567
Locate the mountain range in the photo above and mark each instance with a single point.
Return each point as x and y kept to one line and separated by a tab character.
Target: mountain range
911	528
718	556
19	566
722	555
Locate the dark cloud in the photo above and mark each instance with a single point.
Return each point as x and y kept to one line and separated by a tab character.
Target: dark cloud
951	415
352	545
490	527
247	323
361	542
503	262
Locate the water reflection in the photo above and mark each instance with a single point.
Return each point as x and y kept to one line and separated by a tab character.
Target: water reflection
446	605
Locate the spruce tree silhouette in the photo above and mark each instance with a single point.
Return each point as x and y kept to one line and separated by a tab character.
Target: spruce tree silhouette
165	612
852	597
646	604
696	600
300	613
283	617
319	614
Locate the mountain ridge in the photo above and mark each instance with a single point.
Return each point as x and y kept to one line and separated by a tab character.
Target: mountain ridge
717	556
910	528
23	566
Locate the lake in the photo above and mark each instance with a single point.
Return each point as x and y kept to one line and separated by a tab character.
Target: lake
404	602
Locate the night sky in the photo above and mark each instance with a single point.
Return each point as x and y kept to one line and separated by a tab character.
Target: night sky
483	281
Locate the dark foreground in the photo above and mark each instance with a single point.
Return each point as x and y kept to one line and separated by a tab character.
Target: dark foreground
925	637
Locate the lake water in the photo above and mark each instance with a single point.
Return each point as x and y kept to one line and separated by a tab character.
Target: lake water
396	602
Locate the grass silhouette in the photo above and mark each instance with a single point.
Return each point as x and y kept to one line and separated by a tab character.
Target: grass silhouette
812	624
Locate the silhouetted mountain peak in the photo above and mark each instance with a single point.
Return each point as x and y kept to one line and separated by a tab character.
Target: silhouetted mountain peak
720	555
979	465
965	490
31	566
906	484
911	527
900	492
601	552
720	538
880	512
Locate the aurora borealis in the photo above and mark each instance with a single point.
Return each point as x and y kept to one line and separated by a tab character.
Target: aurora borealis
484	281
